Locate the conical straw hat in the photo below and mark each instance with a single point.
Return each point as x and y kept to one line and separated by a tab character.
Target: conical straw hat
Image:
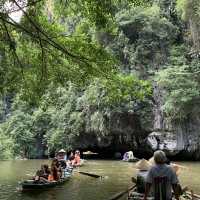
151	161
176	168
143	165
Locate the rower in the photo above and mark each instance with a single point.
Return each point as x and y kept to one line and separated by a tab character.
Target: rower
161	178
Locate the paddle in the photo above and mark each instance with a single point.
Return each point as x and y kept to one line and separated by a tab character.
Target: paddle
192	194
133	179
90	174
120	194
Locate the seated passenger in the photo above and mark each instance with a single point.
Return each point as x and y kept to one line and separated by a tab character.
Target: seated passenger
125	156
77	160
42	174
143	166
55	170
70	160
61	156
162	179
71	156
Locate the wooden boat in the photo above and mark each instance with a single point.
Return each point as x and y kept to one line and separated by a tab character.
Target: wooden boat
131	160
33	185
133	195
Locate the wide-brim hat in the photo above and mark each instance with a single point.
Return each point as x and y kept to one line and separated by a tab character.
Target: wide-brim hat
62	151
143	165
176	168
152	161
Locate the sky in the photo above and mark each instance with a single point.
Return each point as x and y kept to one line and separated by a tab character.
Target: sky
16	16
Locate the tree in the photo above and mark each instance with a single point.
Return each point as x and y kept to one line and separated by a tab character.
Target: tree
190	11
56	55
181	85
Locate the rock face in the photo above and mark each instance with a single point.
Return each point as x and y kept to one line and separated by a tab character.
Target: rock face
183	141
123	133
177	138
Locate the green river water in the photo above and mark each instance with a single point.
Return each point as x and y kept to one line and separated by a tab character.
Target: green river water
80	187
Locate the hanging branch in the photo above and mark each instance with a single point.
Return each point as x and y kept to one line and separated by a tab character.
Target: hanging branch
44	65
46	39
13	48
78	59
34	36
51	41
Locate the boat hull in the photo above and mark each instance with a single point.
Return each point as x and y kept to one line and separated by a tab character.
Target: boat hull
133	195
31	185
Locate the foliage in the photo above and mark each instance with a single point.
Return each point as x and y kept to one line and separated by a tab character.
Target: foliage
71	65
148	38
56	54
188	8
65	113
190	12
85	113
6	146
181	84
100	13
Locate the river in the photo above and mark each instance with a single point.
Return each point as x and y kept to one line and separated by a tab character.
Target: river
116	174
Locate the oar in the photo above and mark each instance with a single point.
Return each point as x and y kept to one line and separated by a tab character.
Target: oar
194	195
120	194
134	180
90	174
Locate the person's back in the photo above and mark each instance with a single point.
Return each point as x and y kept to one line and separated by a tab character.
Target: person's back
55	170
162	177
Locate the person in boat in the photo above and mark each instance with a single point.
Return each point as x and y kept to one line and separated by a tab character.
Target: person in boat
161	178
174	166
61	156
142	166
125	157
77	159
128	156
70	160
55	170
43	173
71	156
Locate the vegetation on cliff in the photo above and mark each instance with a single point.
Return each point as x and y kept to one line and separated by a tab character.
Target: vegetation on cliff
67	66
